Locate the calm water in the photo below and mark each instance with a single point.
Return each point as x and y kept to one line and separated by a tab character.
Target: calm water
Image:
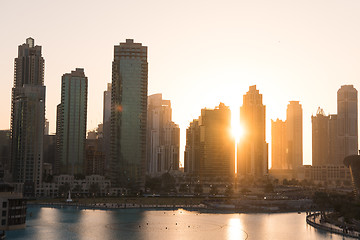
71	223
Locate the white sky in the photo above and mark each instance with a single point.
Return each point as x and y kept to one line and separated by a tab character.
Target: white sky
199	52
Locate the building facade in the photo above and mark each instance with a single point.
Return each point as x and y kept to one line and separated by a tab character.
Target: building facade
210	147
129	115
28	117
107	126
320	139
347	122
71	123
252	155
192	149
294	135
163	137
278	145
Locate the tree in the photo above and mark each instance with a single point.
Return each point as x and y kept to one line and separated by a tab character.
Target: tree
213	190
78	189
64	189
94	189
167	182
229	191
183	188
198	189
269	188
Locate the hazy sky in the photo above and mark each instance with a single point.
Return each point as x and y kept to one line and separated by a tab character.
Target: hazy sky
199	52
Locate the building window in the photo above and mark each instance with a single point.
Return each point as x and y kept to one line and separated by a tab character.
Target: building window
4	204
4	213
3	222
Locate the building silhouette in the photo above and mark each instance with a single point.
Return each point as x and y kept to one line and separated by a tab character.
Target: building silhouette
278	145
294	135
192	149
252	156
128	115
320	138
335	136
71	123
28	117
215	156
163	137
347	123
106	127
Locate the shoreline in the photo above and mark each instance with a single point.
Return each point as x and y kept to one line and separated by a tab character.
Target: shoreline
201	208
311	219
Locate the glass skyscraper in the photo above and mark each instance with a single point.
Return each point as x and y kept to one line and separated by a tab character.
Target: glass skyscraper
28	117
128	115
71	123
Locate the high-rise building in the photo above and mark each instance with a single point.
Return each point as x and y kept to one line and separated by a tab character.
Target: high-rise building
294	135
106	127
28	117
163	137
71	123
94	163
252	156
333	138
320	139
129	115
192	149
278	144
210	148
347	122
5	153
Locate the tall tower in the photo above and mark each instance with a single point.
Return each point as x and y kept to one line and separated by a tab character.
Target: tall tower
106	126
210	148
294	135
278	144
192	149
320	139
128	115
163	137
347	122
28	117
71	123
253	150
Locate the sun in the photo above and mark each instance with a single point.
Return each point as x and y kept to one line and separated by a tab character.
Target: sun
237	131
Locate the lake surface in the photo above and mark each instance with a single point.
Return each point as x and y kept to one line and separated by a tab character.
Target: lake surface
72	223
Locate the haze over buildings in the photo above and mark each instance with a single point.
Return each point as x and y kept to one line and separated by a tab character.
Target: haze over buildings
163	137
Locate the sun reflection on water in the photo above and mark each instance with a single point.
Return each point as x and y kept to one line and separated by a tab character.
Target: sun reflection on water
235	230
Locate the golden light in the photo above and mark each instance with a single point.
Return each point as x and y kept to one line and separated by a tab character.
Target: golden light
236	129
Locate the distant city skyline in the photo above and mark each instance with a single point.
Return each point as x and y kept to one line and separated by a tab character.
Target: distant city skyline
283	47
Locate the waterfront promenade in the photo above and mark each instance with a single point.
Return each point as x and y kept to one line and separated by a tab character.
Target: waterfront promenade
316	221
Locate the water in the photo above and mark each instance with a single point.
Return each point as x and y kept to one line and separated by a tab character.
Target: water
71	223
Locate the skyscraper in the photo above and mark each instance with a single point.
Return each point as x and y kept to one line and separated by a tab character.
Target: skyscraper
320	139
71	123
278	144
128	115
215	156
252	150
106	126
192	149
294	135
347	122
163	137
28	117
